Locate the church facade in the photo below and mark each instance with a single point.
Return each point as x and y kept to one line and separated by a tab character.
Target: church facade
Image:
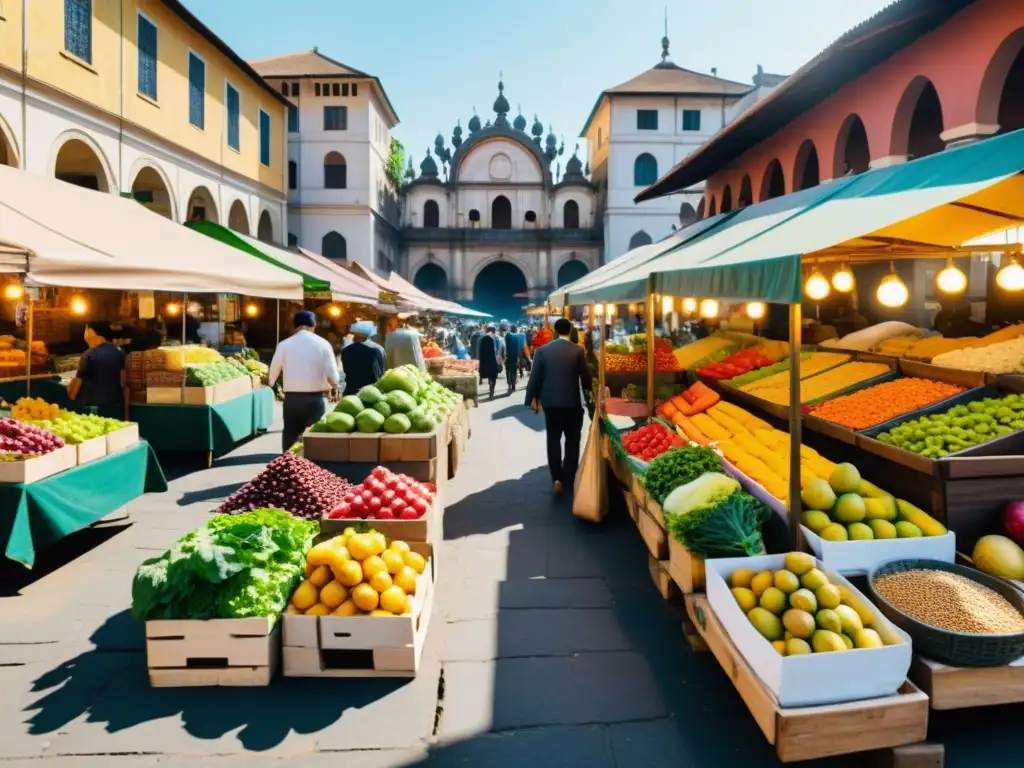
493	221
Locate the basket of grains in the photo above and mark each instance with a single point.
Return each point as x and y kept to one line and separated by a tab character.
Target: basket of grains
954	615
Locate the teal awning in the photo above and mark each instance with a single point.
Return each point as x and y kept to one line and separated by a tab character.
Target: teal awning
924	207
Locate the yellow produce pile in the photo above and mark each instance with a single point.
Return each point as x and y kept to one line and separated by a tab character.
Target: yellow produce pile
34	409
693	353
1001	357
825	383
176	358
917	348
799	611
763	456
814	363
358	574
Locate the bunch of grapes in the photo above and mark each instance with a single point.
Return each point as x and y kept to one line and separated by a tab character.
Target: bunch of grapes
291	483
20	441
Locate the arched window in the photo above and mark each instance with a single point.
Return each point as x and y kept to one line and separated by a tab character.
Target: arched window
645	170
333	246
774	182
501	213
293	175
727	199
571	214
746	193
687	214
431	214
713	208
701	209
852	152
638	239
474	215
335	171
806	173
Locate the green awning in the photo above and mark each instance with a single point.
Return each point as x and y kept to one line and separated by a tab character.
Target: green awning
310	284
924	207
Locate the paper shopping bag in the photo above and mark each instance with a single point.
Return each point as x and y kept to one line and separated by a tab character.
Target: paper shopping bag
590	490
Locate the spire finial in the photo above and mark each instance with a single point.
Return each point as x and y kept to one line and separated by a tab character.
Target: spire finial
664	39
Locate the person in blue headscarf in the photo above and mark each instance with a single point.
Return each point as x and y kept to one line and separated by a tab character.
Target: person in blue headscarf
363	360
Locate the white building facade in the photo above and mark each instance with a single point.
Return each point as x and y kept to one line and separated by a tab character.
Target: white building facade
341	201
496	228
639	130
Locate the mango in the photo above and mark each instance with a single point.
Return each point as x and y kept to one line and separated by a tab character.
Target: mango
882	529
816	520
907	530
826	641
834	532
744	598
799	563
845	478
797	647
780	646
761	582
804	600
799	623
773	599
880	508
849	508
828	596
860	532
818	495
786	581
828	619
813	580
867	638
767	623
847	640
741	577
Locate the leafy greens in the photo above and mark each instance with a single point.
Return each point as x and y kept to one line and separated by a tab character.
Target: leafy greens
236	566
731	528
678	466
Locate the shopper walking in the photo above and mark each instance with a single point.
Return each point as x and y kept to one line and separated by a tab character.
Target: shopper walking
556	385
490	358
310	372
515	356
363	360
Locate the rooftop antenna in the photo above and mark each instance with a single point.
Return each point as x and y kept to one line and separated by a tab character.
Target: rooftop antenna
664	39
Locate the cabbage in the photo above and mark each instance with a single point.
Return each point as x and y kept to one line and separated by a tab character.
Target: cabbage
369	421
707	490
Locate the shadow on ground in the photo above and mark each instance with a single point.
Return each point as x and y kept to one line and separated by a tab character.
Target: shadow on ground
521	413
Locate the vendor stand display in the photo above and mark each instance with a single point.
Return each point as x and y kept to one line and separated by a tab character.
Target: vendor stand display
755	255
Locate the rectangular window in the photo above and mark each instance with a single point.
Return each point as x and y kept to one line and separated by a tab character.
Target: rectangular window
196	91
295	89
344	89
326	88
293	119
647	119
335	118
355	89
78	28
231	99
337	89
316	89
691	119
264	138
293	175
147	57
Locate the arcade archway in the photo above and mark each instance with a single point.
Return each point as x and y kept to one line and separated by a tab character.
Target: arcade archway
571	271
150	189
432	280
499	289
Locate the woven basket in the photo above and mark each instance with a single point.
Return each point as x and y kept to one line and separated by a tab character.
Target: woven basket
957	649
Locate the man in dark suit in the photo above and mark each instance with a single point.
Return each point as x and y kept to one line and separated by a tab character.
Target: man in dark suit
558	377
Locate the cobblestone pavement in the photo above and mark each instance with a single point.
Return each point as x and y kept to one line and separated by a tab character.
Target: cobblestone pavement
549	647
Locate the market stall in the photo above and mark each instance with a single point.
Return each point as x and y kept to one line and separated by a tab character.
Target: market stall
826	497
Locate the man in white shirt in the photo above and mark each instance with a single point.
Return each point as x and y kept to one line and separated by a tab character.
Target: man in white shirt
310	373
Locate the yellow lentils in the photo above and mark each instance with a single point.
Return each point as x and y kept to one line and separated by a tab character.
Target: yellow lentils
950	601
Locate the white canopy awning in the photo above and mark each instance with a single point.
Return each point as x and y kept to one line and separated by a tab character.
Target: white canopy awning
63	235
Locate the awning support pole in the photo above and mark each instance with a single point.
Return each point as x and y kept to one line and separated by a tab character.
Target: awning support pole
184	314
278	321
795	436
28	344
650	345
599	409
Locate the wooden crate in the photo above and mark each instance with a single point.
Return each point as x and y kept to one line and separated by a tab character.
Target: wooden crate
964	687
38	468
228	652
423	529
662	581
637	489
90	450
631	506
685	568
122	438
653	534
813	733
164	395
360	646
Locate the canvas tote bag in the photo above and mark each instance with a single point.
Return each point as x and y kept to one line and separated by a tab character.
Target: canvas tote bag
590	490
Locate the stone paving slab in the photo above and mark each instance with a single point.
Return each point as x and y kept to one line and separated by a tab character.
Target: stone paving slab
555	747
468	599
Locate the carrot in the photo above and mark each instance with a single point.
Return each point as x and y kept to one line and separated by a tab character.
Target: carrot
667	409
690	431
869	407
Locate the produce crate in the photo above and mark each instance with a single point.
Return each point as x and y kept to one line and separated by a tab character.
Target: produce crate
362	646
637	489
423	529
122	438
376	448
90	450
40	467
652	531
468	385
686	569
229	652
969	379
661	578
964	687
632	509
816	732
858	557
164	395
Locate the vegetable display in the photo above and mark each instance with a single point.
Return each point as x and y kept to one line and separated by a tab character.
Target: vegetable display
1001	357
727	528
76	428
799	611
292	483
236	566
649	441
696	399
883	402
385	496
632	357
208	374
958	428
698	351
358	574
678	466
773	387
818	385
707	490
746	360
19	441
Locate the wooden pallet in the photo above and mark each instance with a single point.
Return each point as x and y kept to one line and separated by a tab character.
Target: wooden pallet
812	733
228	652
359	646
964	687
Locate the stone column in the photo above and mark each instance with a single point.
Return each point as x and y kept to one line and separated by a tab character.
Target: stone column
967	134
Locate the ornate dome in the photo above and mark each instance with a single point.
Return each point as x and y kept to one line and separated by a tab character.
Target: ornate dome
574	167
501	105
520	122
457	130
439	143
428	167
537	129
474	122
551	141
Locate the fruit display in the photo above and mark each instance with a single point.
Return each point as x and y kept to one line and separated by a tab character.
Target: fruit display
950	601
34	409
235	566
1013	520
819	385
20	441
712	517
1000	357
385	496
999	556
431	350
695	399
621	357
294	484
208	374
746	360
404	400
358	574
883	402
873	337
676	467
844	507
76	428
799	611
958	428
697	352
649	441
810	365
251	360
722	421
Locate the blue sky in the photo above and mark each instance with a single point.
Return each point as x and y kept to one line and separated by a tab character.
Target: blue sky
438	59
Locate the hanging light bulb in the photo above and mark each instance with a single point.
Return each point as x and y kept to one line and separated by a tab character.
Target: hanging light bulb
79	306
843	280
817	287
334	310
251	310
611	309
689	306
1011	277
666	305
13	291
709	308
892	291
599	309
951	280
173	309
756	310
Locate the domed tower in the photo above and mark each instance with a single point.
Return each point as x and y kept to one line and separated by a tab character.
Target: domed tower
474	122
439	144
551	145
428	168
520	122
501	107
410	174
457	134
574	167
537	130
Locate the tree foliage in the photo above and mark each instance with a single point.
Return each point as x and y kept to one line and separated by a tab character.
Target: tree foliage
396	162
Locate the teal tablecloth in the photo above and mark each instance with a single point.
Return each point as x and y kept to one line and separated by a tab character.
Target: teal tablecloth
37	514
198	428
